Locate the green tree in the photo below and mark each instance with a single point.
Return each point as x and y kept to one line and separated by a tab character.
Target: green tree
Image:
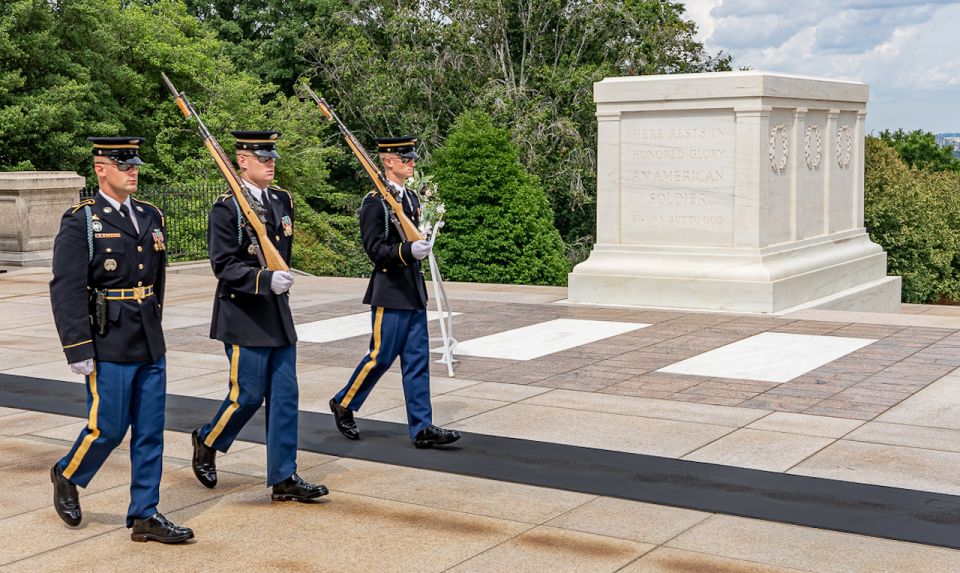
73	68
919	149
915	216
498	222
261	36
397	68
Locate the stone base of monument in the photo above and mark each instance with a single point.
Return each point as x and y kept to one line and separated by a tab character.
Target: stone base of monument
732	191
843	273
29	259
31	206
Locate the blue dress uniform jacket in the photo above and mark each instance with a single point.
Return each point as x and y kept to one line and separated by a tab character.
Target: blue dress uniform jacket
122	259
397	280
246	312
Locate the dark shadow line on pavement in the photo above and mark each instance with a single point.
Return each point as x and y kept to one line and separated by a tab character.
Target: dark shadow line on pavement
878	511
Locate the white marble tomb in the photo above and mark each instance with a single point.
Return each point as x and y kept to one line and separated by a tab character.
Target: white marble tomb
732	191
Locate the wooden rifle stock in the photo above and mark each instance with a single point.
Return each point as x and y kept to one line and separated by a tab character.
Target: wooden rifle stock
267	252
407	229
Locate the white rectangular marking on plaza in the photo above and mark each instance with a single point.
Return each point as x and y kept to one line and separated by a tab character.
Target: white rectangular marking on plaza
342	327
769	356
538	340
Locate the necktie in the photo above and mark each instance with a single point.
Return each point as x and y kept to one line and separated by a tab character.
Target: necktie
126	215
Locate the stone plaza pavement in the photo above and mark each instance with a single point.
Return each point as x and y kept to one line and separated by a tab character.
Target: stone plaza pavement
858	397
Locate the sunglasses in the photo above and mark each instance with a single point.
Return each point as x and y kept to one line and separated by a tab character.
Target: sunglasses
404	160
259	158
119	166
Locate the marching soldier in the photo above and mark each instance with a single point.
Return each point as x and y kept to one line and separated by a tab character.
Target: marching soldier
397	294
109	260
251	316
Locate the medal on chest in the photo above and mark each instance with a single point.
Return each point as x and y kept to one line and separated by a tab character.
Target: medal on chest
158	241
287	225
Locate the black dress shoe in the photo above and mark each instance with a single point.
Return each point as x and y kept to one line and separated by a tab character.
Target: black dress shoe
295	489
204	461
434	436
344	419
65	498
159	528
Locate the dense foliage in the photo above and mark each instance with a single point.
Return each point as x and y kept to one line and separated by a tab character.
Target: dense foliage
413	67
919	149
914	214
498	223
72	68
79	67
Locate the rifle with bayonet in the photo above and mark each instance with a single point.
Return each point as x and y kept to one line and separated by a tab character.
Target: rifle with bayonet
253	213
404	225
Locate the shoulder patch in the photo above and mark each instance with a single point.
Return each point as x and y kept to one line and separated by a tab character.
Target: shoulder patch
163	222
148	203
82	204
282	190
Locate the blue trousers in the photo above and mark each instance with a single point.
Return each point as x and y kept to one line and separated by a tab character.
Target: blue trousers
400	333
123	395
259	373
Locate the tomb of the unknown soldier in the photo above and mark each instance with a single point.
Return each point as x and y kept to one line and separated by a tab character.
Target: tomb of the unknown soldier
739	191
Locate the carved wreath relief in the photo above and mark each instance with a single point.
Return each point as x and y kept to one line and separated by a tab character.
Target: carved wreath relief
844	146
813	147
778	133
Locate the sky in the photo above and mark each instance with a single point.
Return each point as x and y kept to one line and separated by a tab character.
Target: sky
908	52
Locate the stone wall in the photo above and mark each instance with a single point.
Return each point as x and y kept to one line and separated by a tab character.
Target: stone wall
31	205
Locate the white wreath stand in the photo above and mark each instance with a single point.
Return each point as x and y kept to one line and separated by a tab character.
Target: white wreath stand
445	317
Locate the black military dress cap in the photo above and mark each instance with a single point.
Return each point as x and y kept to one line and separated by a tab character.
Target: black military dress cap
261	143
404	146
124	149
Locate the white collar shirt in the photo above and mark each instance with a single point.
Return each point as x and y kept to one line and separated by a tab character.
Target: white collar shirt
400	189
128	203
258	193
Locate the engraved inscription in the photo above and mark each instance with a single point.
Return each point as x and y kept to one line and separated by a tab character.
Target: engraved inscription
674	133
677	179
679	175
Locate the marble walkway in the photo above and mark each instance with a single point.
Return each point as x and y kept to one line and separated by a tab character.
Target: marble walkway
858	397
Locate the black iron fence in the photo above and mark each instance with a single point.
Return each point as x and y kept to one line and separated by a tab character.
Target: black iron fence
186	208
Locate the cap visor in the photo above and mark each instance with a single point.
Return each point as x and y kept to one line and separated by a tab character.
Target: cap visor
266	153
410	155
130	161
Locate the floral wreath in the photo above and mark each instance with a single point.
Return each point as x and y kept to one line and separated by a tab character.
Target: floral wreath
844	155
781	131
813	160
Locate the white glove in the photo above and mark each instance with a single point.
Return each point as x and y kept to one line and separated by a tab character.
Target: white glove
83	368
281	281
420	249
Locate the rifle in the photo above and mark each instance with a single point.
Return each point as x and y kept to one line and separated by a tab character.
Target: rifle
407	229
266	252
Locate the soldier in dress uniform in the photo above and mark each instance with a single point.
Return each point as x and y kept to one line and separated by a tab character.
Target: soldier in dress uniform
397	294
251	316
109	263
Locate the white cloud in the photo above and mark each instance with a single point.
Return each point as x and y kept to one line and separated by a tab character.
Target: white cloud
905	50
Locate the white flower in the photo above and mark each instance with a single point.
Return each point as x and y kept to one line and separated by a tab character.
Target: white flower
441	209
